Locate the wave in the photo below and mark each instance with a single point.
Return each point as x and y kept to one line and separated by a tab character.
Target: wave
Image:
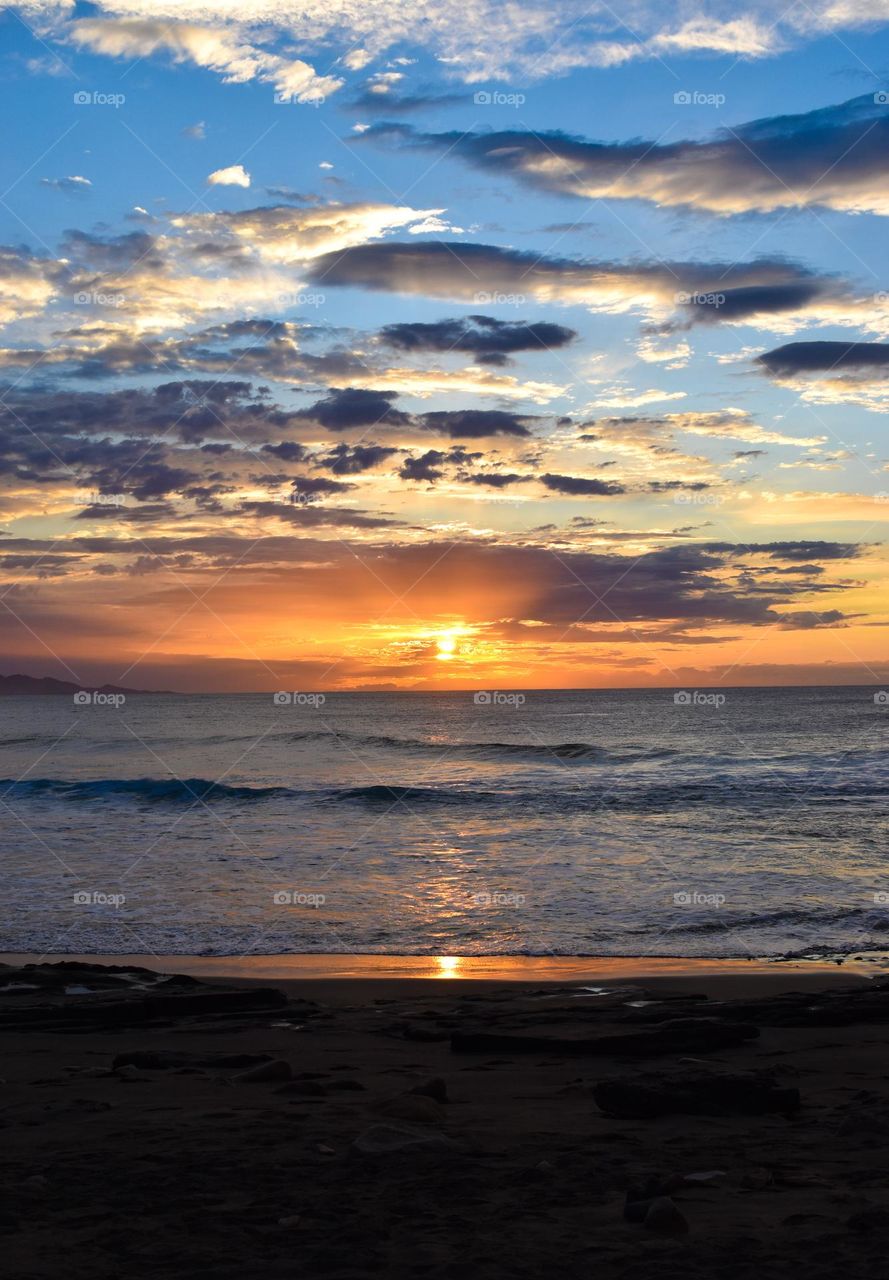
719	919
390	795
191	789
582	752
196	790
742	791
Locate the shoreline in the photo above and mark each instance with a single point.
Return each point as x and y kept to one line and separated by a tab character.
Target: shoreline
722	977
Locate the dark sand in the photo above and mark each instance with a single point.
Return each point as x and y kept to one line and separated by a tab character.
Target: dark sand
185	1171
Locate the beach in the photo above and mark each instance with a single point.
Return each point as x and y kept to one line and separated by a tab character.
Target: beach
682	1121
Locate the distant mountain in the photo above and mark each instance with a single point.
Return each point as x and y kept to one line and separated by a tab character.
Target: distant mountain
15	685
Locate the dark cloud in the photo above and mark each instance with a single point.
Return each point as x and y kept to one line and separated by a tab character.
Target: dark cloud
352	407
147	444
669	486
147	513
368	100
687	587
112	253
311	486
475	424
426	467
287	451
315	516
429	466
488	340
581	486
260	348
727	304
308	198
836	156
495	479
824	357
348	460
798	550
701	291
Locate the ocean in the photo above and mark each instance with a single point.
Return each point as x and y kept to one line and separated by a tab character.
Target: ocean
738	822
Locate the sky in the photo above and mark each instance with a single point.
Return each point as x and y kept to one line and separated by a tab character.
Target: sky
440	346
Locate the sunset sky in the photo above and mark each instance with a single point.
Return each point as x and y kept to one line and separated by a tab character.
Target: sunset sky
434	345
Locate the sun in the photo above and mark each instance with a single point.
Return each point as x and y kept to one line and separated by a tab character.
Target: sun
447	647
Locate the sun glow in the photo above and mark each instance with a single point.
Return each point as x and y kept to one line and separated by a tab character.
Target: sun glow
449	643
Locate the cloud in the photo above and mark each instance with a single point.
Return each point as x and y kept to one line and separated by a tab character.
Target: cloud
73	185
734	424
352	408
746	36
189	266
281	234
832	372
489	340
371	100
217	48
348	460
260	347
476	424
317	516
684	593
824	357
581	486
428	466
760	292
434	224
234	176
495	479
472	43
836	157
27	283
